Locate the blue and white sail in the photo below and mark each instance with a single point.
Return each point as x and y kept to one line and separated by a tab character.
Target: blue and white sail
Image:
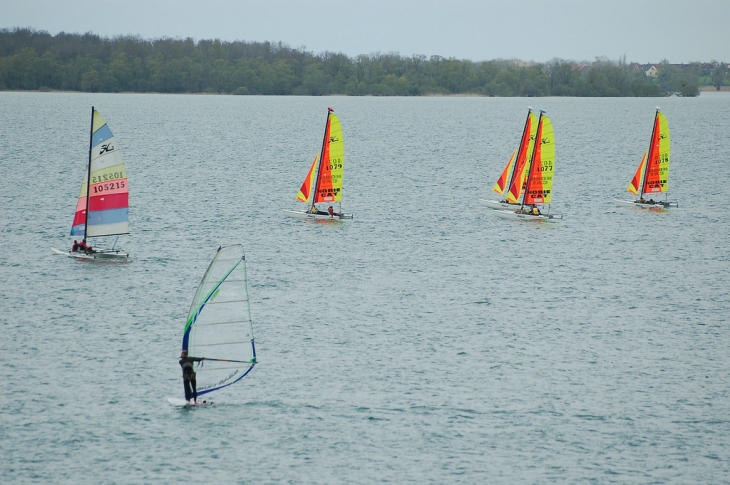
219	323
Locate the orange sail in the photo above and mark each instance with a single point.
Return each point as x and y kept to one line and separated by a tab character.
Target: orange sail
517	184
539	185
306	187
657	170
332	164
636	181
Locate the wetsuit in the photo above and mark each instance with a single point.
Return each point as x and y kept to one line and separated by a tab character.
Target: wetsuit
191	390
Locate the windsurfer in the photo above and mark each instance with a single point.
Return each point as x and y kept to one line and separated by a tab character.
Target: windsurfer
191	390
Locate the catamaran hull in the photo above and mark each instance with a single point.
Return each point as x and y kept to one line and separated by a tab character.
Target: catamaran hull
508	214
496	205
656	205
307	215
100	254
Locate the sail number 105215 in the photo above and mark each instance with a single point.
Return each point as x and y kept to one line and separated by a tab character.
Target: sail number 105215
107	187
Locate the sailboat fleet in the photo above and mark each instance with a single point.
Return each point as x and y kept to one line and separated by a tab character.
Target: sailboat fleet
219	320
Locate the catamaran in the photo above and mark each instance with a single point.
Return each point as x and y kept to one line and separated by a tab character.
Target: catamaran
102	208
515	169
323	183
218	326
539	184
652	175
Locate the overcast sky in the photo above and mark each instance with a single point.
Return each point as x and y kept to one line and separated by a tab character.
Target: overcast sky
644	30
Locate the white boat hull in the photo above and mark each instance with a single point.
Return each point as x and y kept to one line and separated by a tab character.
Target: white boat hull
307	215
98	254
497	205
510	214
656	205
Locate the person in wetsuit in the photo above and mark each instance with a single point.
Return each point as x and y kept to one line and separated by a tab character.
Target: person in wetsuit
191	390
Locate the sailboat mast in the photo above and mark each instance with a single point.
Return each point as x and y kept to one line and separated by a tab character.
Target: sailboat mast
88	175
648	156
321	155
538	136
519	151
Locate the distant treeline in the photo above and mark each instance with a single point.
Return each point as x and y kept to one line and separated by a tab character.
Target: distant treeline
36	60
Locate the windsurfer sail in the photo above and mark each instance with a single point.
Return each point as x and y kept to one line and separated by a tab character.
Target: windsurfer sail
652	175
102	208
512	179
323	183
219	323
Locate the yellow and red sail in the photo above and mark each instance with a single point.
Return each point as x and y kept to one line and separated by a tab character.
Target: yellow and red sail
522	164
657	171
306	188
636	181
539	185
502	181
326	176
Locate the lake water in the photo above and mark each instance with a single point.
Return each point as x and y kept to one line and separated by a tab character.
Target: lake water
425	341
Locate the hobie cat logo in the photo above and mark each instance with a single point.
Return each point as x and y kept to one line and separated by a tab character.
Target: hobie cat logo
334	139
106	148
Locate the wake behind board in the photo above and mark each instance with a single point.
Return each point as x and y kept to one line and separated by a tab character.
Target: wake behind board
175	401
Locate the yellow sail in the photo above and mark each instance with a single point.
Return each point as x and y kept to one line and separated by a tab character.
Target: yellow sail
306	187
540	173
332	167
663	152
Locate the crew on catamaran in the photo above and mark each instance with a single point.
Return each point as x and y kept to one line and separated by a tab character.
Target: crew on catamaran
76	246
83	247
535	211
191	390
331	211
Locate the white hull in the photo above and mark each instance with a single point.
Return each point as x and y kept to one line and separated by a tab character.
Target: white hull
509	214
656	205
497	205
307	215
98	254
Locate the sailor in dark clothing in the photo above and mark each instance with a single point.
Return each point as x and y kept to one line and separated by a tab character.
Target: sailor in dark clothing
191	391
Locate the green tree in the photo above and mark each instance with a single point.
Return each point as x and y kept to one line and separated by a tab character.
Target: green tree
718	75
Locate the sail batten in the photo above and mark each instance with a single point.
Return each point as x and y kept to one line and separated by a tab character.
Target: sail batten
219	321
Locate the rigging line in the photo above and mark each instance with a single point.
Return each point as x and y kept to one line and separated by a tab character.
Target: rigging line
229	360
213	369
224	302
222	323
225	343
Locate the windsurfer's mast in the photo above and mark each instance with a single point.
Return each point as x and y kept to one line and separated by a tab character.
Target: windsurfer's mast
321	156
88	173
519	150
538	137
648	155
